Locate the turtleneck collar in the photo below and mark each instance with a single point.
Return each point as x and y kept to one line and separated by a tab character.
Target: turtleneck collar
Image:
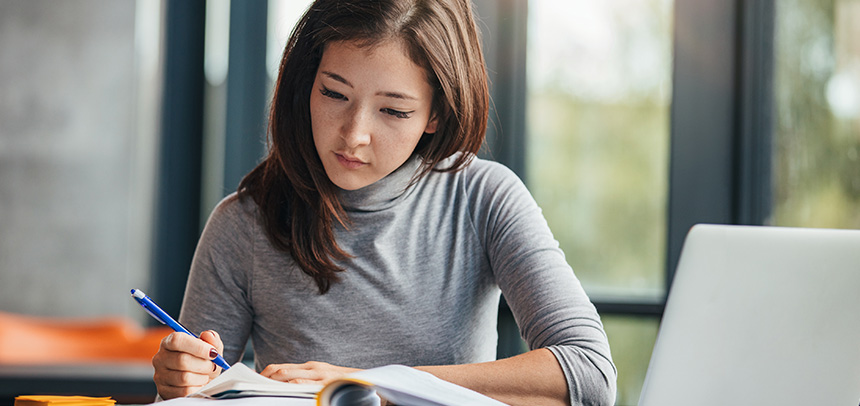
385	192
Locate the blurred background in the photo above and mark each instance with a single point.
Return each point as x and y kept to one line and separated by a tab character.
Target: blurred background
123	123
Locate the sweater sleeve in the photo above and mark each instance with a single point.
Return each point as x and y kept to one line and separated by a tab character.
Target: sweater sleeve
548	302
216	296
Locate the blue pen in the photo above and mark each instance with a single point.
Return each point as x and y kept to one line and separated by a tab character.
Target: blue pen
165	318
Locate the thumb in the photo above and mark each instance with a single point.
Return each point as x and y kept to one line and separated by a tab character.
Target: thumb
212	337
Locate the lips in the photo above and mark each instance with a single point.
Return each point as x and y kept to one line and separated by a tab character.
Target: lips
349	162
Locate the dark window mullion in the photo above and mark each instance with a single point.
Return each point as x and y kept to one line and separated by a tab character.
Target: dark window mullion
504	25
721	117
177	227
247	87
703	121
755	112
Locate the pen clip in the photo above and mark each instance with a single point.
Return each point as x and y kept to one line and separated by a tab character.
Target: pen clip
151	313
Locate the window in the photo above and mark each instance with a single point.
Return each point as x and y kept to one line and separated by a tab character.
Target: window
816	175
78	136
598	115
599	76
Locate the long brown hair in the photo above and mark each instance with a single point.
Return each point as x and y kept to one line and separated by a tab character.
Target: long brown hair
297	201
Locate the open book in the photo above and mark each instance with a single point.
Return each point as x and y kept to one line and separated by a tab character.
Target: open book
397	384
240	381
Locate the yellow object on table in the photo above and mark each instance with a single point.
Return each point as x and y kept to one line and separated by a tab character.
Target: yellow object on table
52	400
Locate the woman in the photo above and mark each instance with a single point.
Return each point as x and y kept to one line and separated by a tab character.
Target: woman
371	235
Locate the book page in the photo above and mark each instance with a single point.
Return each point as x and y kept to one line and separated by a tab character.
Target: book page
252	401
242	381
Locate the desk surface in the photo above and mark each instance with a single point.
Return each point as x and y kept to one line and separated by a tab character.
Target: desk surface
126	383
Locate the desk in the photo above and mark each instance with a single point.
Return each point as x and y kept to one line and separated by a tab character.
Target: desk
126	383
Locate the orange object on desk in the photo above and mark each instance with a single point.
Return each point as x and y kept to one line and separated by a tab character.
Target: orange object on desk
45	340
52	400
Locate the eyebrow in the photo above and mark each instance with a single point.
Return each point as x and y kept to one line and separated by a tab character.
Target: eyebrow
394	95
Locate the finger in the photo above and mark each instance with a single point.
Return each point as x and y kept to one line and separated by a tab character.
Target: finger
180	379
295	376
171	384
181	342
293	373
212	337
306	381
271	369
181	361
282	372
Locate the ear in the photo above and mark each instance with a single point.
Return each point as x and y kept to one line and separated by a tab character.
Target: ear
432	124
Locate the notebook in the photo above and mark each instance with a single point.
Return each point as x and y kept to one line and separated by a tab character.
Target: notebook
760	316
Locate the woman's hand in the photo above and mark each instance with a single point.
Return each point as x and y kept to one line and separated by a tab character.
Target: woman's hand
184	364
309	372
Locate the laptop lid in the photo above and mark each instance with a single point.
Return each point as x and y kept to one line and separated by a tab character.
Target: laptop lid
760	316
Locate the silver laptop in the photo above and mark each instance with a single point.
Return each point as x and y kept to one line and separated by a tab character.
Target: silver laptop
760	316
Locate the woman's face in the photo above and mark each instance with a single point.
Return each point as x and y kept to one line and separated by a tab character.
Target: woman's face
369	108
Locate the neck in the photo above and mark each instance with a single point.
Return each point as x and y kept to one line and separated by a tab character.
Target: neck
383	193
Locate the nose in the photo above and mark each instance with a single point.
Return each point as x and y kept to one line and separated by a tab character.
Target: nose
357	128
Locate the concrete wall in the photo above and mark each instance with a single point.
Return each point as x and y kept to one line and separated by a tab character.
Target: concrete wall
76	157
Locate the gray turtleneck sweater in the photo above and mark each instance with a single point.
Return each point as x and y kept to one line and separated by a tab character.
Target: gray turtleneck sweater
429	264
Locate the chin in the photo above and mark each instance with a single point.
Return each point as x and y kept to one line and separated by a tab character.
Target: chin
350	184
349	187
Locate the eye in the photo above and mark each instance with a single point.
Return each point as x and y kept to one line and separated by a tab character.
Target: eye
332	94
396	113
